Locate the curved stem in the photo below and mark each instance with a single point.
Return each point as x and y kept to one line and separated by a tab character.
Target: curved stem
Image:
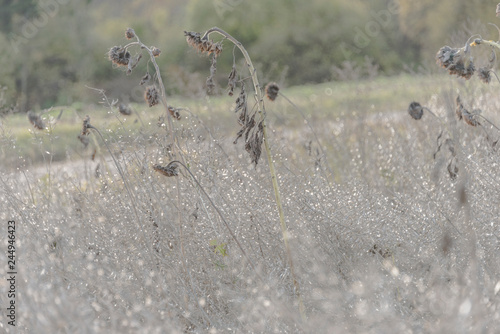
261	111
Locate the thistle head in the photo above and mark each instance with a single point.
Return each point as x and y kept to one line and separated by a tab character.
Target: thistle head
415	110
272	90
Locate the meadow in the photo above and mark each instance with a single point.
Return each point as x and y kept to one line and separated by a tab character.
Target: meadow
393	223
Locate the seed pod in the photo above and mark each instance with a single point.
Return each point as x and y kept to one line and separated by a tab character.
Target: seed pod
129	33
415	110
272	90
151	96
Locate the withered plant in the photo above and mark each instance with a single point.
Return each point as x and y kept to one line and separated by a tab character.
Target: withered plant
252	121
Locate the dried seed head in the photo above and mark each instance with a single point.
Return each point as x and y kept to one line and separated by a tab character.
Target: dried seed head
272	90
484	74
174	112
86	126
203	45
124	109
152	96
456	62
36	120
129	33
155	51
145	79
84	140
445	56
119	56
168	170
415	110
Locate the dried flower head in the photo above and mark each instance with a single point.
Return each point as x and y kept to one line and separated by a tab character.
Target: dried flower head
84	140
231	82
456	61
125	109
152	96
203	45
86	126
129	33
174	112
36	120
155	51
168	170
415	110
272	90
119	56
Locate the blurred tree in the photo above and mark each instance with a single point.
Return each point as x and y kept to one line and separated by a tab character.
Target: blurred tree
10	8
432	24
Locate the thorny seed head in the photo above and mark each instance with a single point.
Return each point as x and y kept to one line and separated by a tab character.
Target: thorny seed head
232	80
152	96
168	170
119	56
36	120
202	45
155	51
86	126
129	33
453	61
124	109
272	90
415	110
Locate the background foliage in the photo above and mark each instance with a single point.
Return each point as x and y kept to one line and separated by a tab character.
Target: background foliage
294	42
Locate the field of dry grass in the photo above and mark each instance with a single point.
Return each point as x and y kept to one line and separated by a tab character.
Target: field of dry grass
384	238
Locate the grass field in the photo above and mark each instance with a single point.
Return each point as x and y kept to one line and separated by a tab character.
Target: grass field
394	222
